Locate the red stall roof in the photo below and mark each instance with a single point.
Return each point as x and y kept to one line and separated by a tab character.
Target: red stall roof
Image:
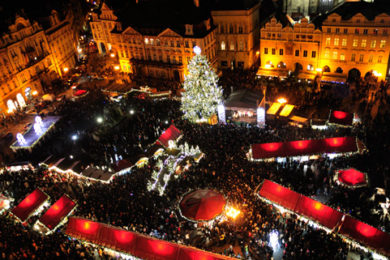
279	195
341	118
133	243
30	204
59	210
366	234
300	204
172	133
304	147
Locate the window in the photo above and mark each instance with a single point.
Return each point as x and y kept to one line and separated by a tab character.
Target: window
373	44
356	31
232	46
365	31
326	54
231	29
336	42
172	44
383	44
345	31
177	44
335	54
297	53
353	57
327	41
223	45
344	42
186	44
158	42
240	29
337	30
146	40
151	41
221	29
384	32
355	42
375	31
328	30
297	36
223	63
361	58
304	53
342	56
241	46
380	59
273	51
370	59
313	54
280	51
180	60
364	43
265	50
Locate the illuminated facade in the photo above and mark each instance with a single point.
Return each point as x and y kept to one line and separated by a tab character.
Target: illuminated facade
237	35
308	7
31	56
157	52
342	48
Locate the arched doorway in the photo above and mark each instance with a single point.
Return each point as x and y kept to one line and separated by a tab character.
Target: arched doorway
339	70
20	100
103	48
326	69
11	106
354	75
298	68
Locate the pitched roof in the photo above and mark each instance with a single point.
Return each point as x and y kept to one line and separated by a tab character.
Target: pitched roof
244	98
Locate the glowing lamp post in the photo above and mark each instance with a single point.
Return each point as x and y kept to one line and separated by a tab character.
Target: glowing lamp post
197	50
66	69
282	100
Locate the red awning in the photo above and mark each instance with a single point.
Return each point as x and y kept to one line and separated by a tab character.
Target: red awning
172	133
351	177
366	234
300	204
304	147
133	243
60	209
341	118
30	204
279	195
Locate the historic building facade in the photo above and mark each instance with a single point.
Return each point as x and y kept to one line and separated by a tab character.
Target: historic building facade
342	48
30	57
237	36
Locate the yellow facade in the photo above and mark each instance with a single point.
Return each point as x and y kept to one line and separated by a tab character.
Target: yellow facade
30	56
342	48
237	37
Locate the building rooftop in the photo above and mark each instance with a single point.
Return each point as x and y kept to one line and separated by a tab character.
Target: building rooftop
231	4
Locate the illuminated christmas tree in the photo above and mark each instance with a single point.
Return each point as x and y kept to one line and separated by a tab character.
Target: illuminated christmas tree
202	94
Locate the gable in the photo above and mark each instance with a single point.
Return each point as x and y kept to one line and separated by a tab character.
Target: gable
130	31
169	33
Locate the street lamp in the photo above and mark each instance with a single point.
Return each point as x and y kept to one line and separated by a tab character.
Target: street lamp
66	69
282	100
116	67
99	120
75	137
112	55
132	112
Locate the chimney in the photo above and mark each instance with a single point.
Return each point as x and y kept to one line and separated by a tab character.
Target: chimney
189	29
196	3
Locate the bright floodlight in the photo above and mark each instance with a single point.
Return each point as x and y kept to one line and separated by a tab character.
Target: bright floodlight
132	112
99	120
232	212
74	137
274	240
166	122
282	100
197	50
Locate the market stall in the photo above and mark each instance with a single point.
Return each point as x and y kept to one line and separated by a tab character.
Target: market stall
32	204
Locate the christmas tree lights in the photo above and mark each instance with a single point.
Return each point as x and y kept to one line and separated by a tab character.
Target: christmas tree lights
202	94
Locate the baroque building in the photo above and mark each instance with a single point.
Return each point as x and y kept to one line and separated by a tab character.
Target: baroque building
31	55
350	42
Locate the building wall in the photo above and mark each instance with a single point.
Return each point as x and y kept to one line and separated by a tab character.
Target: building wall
30	57
341	45
237	36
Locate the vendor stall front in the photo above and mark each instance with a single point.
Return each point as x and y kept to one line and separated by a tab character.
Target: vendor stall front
30	205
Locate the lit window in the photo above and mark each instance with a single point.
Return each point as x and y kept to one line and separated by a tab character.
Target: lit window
241	46
232	46
383	44
327	41
223	45
364	43
326	54
373	44
355	42
342	56
335	54
344	42
146	40
336	42
151	41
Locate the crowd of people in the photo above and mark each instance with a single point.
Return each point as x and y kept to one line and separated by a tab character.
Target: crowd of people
133	124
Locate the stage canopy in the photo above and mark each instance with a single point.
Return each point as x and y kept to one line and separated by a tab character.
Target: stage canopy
366	234
340	118
351	178
304	147
202	205
59	210
246	99
132	243
172	133
30	204
300	204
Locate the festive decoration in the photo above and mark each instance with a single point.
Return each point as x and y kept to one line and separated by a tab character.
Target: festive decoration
202	95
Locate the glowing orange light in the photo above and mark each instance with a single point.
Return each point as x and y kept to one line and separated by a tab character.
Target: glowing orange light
161	248
271	147
366	230
300	144
336	141
87	225
232	212
317	205
339	114
282	100
267	66
34	93
66	69
112	55
318	69
123	236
